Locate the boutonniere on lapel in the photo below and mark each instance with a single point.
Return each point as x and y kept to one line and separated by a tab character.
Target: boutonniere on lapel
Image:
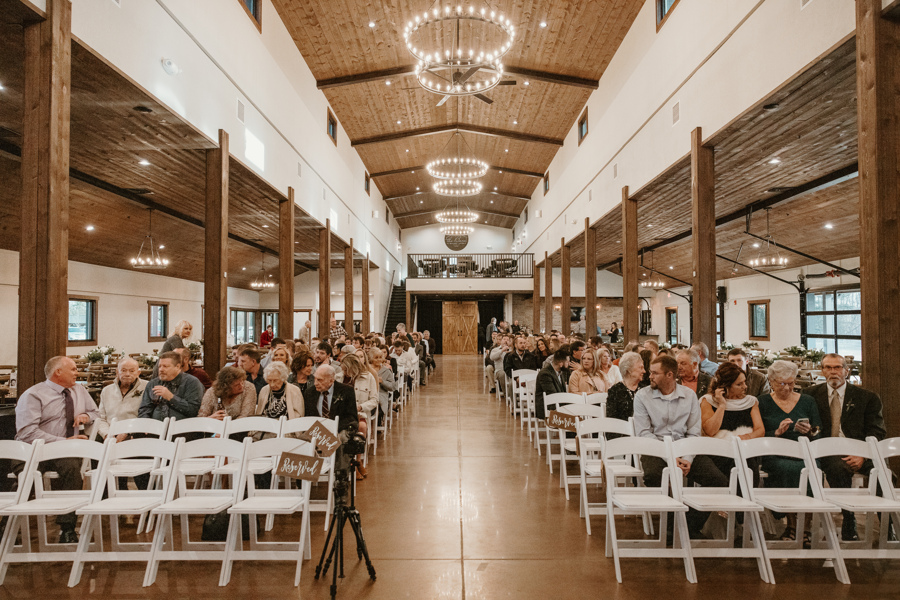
136	393
848	403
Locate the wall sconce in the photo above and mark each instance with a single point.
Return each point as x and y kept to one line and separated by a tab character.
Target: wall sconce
599	306
557	307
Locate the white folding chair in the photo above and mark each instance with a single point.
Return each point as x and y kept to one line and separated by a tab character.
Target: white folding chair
46	502
598	398
795	500
120	502
192	501
326	475
198	466
16	452
553	402
519	377
282	501
527	393
569	447
861	499
888	449
731	500
640	500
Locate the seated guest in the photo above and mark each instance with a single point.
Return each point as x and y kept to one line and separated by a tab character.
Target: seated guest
847	411
689	373
420	352
301	371
267	355
322	356
173	393
610	372
787	414
576	348
55	410
552	379
430	349
520	358
542	349
595	342
652	346
190	369
267	336
668	408
366	388
122	398
757	383
230	396
586	377
706	365
629	347
291	347
249	362
278	398
281	355
329	399
620	398
387	385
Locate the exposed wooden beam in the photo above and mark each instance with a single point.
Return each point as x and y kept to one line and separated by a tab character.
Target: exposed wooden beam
429	192
366	322
382	74
591	84
286	232
44	250
565	311
215	283
630	299
703	237
425	131
422	168
325	281
590	279
548	293
348	287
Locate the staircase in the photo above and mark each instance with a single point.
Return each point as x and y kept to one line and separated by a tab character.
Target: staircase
396	312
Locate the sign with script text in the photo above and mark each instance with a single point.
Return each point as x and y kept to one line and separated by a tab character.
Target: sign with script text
558	420
299	466
326	442
456	242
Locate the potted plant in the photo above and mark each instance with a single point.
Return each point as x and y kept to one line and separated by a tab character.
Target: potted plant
764	361
726	346
814	356
796	351
147	361
750	345
94	356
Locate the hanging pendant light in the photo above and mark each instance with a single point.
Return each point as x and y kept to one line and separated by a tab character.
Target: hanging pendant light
654	280
457	161
262	282
457	229
768	257
148	256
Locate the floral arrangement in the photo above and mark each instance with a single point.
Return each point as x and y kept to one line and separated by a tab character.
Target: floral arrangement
665	345
148	361
765	361
96	355
726	346
749	345
194	347
797	351
814	355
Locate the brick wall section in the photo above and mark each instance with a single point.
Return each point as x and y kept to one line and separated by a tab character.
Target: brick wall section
610	310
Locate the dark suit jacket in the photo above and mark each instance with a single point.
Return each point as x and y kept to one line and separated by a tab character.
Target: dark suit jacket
861	416
512	362
757	384
703	383
343	405
547	383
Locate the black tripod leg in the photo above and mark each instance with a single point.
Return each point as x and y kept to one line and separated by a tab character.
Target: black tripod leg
362	550
338	552
325	548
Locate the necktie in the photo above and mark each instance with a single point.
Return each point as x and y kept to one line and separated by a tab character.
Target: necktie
70	412
326	413
835	406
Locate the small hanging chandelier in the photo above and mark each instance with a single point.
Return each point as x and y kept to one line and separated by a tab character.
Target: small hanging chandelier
457	229
148	256
769	257
458	163
451	217
458	49
651	281
261	282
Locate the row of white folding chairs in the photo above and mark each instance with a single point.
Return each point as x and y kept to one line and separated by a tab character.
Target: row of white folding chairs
741	496
241	498
554	402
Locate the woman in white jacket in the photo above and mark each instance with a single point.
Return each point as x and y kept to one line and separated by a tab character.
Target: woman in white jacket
366	389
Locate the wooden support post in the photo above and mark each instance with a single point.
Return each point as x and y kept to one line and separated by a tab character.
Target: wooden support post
215	282
630	300
409	318
348	289
286	267
536	303
366	318
548	293
878	79
590	280
325	281
703	238
565	311
44	252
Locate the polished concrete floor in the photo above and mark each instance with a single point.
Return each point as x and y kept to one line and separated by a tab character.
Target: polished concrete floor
458	506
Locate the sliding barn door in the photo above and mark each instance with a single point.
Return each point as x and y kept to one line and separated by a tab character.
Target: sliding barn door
460	327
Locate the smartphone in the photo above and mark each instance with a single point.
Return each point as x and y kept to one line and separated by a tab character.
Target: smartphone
804	420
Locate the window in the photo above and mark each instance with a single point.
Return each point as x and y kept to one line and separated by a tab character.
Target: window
663	9
254	11
158	314
546	182
582	127
368	181
332	127
834	322
82	321
243	326
672	325
759	319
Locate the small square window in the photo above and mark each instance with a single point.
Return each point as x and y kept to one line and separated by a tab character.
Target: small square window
158	315
332	127
254	11
82	329
759	319
546	182
368	183
582	126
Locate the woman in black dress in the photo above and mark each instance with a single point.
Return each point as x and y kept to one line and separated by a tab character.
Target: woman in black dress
620	398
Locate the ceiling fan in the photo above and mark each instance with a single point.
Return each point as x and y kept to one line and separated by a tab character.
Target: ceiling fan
461	78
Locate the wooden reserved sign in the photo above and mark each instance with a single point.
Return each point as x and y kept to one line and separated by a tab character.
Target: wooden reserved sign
558	420
299	466
326	442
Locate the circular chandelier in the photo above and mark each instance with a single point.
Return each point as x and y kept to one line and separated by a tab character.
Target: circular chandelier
457	229
460	164
456	216
457	187
458	49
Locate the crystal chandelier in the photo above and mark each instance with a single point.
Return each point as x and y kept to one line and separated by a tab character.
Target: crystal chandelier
457	229
149	259
769	256
458	49
261	282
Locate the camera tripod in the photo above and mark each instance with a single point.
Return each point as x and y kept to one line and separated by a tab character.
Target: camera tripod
342	515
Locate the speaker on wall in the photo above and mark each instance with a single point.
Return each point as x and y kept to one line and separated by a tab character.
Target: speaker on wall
721	294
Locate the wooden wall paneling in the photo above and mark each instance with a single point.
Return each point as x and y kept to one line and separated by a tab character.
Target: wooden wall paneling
878	79
630	299
536	302
215	283
565	311
703	215
43	264
366	318
348	287
590	279
325	280
548	293
286	266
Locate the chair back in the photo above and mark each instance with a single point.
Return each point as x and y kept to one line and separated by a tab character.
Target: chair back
886	449
257	423
595	398
161	451
83	449
553	401
839	446
221	449
16	451
591	411
139	425
271	448
771	446
206	425
706	446
603	426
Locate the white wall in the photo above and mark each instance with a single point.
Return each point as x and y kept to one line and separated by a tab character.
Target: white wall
121	306
428	239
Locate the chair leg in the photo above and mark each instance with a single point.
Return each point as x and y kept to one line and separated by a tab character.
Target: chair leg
586	508
684	541
84	541
159	536
13	525
232	542
840	569
759	540
613	538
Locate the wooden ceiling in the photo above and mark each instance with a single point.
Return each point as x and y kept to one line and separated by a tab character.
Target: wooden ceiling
809	125
393	126
112	191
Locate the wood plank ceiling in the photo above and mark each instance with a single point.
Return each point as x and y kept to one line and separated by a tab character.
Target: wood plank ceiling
115	126
809	126
366	75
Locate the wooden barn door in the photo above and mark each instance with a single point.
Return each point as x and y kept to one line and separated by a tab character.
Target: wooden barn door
460	320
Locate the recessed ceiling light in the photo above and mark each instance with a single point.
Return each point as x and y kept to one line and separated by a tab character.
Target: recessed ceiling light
495	188
414	172
829	226
407	149
265	226
90	227
515	122
543	24
398	122
243	268
1	87
756	245
671	267
649	224
144	162
492	201
775	161
372	24
501	172
507	150
161	246
527	83
421	202
388	82
417	189
296	242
